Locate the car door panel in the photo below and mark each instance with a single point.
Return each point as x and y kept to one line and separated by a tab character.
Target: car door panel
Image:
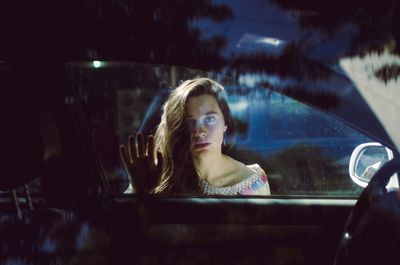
190	230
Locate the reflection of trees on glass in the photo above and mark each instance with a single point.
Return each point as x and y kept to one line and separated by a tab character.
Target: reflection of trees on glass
375	20
376	24
388	73
290	63
159	30
320	99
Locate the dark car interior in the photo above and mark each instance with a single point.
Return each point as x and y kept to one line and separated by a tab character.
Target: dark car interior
55	201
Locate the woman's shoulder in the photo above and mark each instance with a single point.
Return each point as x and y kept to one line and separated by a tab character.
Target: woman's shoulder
251	177
257	182
239	169
246	171
257	174
255	168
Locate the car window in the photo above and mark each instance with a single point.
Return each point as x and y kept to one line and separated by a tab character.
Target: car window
303	150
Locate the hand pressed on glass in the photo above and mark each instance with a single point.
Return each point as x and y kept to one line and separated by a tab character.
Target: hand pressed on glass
141	163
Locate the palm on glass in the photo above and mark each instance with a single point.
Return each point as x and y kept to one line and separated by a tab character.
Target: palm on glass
140	163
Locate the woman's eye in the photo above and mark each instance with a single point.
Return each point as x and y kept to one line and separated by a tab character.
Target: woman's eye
210	119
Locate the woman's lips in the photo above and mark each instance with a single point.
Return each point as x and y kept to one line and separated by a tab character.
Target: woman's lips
200	145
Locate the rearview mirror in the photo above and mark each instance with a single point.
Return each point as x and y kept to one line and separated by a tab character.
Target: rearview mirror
366	159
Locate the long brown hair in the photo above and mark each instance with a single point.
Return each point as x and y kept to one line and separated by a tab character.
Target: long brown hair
172	138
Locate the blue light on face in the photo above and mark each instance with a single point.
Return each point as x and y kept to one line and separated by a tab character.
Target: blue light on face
210	120
207	121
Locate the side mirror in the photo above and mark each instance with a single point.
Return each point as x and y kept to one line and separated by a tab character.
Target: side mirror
366	159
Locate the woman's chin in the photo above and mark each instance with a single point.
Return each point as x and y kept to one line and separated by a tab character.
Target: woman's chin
201	151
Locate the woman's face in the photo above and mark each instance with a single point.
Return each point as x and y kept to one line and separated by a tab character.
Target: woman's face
206	125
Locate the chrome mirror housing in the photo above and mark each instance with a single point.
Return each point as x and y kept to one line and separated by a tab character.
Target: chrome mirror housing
366	159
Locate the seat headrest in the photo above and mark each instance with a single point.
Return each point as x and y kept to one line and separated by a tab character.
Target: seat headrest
23	153
21	143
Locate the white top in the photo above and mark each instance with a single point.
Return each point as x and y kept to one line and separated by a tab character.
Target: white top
255	184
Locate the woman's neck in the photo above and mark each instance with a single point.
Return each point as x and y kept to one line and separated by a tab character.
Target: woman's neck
210	167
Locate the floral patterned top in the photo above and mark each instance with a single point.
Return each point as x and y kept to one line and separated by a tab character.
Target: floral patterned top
256	184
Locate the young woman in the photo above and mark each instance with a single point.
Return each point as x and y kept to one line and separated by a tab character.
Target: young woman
186	154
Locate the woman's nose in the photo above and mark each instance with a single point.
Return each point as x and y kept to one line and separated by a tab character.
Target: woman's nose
199	131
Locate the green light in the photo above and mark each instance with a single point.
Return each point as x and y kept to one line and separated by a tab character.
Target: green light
97	64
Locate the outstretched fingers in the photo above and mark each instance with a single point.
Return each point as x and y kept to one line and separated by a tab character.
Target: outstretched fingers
139	161
124	156
140	145
150	147
131	148
138	149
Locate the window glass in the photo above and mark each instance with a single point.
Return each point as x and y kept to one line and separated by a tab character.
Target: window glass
302	150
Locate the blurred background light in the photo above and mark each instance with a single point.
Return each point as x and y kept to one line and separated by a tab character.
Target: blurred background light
97	64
